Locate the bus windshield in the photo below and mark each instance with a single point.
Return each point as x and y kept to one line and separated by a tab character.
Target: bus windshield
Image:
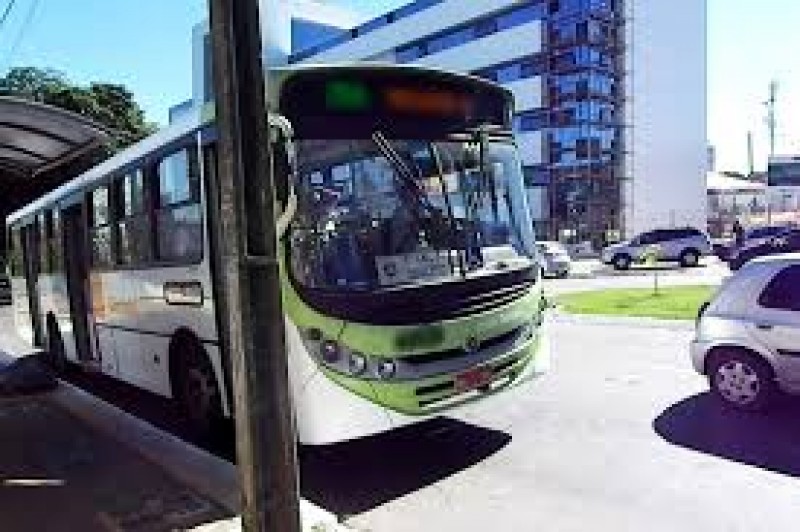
375	214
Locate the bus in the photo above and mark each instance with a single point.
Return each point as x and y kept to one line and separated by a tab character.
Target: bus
410	281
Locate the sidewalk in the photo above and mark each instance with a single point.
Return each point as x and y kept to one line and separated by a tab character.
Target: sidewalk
71	462
56	474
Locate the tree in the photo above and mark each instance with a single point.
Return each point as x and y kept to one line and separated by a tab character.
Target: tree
109	104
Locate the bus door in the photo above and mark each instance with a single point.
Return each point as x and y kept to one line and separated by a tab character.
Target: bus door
76	270
31	255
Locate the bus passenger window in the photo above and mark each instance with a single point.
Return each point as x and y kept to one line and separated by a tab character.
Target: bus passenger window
179	218
44	243
15	253
100	231
54	232
133	223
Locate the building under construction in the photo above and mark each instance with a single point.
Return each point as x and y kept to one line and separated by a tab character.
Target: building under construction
610	95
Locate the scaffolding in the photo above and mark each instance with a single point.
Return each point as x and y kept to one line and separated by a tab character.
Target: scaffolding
590	47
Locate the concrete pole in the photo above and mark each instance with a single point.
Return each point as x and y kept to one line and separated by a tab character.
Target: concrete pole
252	316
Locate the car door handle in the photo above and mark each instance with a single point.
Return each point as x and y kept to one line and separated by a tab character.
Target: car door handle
764	326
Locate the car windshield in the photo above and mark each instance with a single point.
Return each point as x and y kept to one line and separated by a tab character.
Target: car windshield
376	214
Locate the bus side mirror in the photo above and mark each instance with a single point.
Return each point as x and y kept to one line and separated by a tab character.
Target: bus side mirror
284	169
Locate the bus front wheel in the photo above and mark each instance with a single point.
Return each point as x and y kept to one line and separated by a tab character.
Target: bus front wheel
196	390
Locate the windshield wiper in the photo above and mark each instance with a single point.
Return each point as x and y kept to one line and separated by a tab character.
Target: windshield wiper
409	182
420	205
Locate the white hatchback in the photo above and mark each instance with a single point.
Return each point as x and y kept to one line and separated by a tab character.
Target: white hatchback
748	336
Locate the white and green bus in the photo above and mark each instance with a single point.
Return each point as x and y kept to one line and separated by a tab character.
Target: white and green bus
410	282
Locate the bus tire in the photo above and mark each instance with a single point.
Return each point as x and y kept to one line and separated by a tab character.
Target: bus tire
56	354
195	387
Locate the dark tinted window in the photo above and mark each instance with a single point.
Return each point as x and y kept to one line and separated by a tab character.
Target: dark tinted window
682	233
648	238
783	291
179	219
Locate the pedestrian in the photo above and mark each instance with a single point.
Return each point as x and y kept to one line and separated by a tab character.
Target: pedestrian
738	233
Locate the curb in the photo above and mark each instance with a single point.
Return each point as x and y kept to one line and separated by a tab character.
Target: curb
205	473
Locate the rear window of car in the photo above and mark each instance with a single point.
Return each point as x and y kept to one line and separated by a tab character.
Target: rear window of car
783	291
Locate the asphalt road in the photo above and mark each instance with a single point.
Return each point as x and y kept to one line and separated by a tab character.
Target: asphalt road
620	436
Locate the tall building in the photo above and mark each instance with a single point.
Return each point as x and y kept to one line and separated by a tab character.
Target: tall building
610	95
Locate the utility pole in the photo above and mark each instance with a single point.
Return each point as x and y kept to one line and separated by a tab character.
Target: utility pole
772	121
253	323
750	163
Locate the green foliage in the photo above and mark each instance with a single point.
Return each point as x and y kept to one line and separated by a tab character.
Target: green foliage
675	302
110	105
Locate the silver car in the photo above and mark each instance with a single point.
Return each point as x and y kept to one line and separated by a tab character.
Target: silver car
747	338
555	259
684	245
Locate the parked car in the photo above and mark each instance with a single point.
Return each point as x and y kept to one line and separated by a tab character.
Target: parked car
556	261
785	241
685	245
747	339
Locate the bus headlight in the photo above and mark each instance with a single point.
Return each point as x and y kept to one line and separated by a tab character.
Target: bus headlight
387	369
330	351
358	363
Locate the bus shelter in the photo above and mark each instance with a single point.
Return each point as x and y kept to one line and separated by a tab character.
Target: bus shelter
41	147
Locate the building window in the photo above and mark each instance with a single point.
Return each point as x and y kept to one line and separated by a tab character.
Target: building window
179	218
520	16
410	53
450	40
530	121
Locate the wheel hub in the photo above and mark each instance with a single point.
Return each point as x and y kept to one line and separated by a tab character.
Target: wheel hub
738	382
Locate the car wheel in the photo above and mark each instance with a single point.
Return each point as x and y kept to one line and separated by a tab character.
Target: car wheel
622	262
690	258
742	380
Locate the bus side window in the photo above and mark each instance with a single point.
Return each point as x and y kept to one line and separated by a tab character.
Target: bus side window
54	231
44	241
100	229
16	253
132	221
179	215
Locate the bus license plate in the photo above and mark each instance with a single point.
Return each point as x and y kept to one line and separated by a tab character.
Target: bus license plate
473	378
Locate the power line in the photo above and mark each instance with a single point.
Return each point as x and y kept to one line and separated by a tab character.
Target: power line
7	12
25	24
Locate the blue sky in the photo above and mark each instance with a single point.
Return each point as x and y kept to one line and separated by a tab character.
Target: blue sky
146	45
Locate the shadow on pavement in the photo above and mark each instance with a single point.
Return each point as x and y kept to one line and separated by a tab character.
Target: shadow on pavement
768	440
356	476
638	269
